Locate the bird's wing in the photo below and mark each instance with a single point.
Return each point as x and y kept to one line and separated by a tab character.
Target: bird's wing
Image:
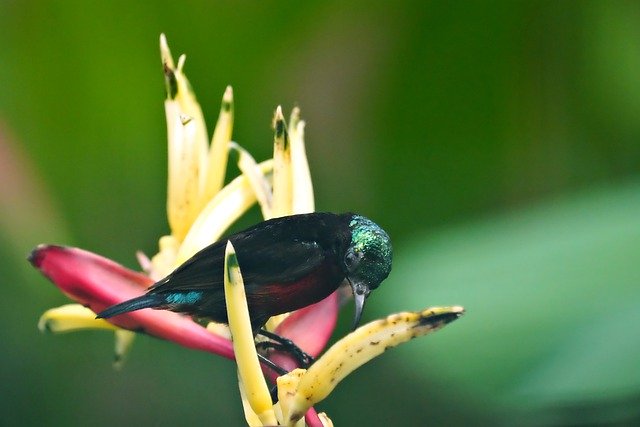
279	261
263	259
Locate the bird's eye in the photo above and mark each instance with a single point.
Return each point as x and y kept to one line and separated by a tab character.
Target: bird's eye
352	259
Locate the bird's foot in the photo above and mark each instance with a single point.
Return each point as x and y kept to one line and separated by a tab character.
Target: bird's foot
283	344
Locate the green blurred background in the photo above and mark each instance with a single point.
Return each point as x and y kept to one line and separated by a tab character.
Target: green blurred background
497	142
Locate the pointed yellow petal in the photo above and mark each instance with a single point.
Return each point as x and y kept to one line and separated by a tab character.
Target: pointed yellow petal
294	119
190	108
169	66
258	181
124	341
303	198
219	329
164	262
244	348
287	386
184	166
278	413
325	420
218	151
302	187
252	419
145	262
188	145
282	173
75	317
359	347
274	321
292	188
71	317
225	208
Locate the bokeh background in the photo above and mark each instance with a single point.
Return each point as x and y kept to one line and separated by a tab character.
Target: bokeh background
497	142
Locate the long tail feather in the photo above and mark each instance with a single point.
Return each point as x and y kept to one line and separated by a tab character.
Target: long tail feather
144	301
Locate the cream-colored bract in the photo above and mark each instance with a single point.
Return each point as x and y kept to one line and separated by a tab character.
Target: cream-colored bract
252	382
353	351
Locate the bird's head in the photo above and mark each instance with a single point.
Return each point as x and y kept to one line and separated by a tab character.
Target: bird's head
367	260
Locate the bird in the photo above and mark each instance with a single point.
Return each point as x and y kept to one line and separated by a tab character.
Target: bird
286	263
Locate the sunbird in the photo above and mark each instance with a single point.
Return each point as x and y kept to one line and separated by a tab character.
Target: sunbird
286	263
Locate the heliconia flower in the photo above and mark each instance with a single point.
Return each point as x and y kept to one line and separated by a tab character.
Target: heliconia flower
200	208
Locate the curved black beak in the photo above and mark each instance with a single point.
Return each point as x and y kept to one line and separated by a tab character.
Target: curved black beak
360	293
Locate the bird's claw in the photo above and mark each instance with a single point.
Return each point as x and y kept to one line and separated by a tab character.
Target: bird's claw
305	359
284	344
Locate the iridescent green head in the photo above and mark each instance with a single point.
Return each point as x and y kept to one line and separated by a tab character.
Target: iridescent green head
367	260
